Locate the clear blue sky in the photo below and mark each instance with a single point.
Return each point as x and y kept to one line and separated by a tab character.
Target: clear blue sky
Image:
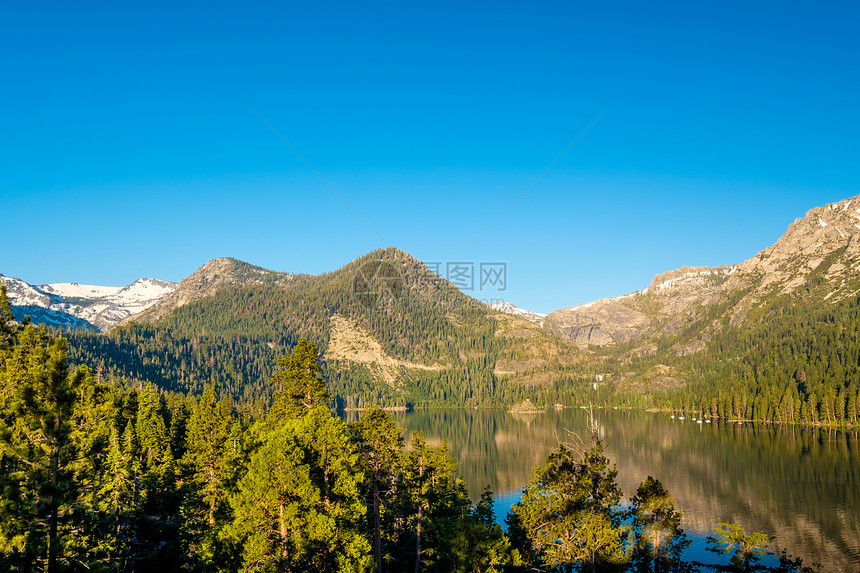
131	144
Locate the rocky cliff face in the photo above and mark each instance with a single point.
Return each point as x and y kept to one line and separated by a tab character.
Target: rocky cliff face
824	242
662	308
822	248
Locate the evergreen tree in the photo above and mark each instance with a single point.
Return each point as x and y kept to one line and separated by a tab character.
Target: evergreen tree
299	506
380	442
156	458
478	544
207	463
432	499
119	496
51	443
746	549
570	514
8	326
299	382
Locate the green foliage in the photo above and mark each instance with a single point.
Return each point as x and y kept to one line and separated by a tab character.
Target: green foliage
659	540
232	340
94	478
746	549
7	321
479	544
795	364
299	505
299	384
212	447
379	441
53	432
570	513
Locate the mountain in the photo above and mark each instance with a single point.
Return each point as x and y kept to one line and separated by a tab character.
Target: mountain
206	281
72	305
822	246
672	300
517	311
389	330
775	338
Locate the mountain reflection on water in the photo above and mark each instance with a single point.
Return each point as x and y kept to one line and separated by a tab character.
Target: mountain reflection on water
801	485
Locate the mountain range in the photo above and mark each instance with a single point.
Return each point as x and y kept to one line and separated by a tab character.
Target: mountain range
73	305
389	330
393	332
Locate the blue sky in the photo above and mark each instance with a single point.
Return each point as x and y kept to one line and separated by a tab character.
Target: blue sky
133	145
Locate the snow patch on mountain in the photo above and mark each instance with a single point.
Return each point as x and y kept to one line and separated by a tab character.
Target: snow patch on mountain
75	290
515	310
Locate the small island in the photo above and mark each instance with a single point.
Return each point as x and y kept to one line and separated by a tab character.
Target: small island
526	407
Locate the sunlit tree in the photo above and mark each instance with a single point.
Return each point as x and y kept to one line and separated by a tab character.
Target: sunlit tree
570	515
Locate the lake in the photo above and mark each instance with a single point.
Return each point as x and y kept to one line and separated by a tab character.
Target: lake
801	485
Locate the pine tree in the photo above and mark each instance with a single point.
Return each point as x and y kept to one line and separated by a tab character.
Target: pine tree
477	542
119	496
207	467
156	458
50	437
746	549
299	382
432	500
299	506
8	326
380	442
570	512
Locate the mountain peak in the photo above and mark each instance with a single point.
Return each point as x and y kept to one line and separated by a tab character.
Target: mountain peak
509	308
824	236
820	245
215	275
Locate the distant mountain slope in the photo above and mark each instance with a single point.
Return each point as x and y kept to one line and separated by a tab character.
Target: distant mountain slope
206	281
671	301
776	337
75	306
401	334
823	244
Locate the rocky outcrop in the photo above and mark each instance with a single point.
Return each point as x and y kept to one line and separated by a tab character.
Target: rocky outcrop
601	322
822	244
664	307
526	407
821	248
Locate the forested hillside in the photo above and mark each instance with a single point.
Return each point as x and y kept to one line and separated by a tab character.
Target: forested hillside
94	477
772	339
445	346
796	359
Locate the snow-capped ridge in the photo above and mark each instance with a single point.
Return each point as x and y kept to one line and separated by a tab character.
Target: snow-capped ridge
82	305
515	310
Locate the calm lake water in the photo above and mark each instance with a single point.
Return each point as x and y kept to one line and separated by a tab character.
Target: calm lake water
801	485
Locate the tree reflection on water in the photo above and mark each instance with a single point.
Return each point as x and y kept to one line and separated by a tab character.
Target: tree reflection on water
799	484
